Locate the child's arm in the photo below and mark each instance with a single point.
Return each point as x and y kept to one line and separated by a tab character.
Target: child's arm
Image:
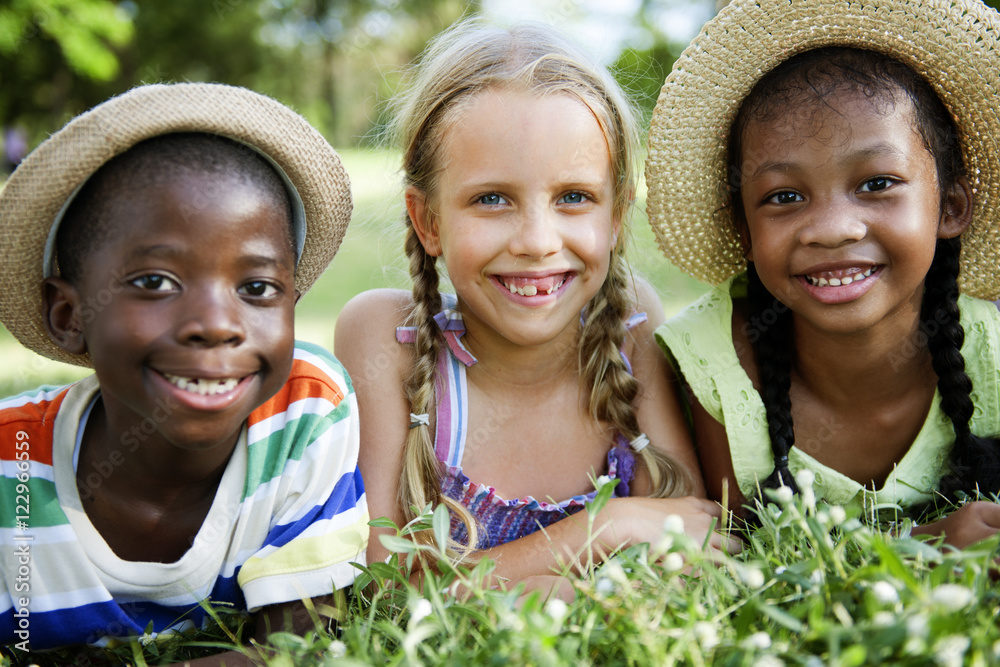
658	406
967	525
366	344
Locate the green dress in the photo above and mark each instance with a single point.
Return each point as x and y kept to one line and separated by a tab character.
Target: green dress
699	343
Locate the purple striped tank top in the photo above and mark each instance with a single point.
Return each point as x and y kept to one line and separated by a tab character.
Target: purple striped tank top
500	520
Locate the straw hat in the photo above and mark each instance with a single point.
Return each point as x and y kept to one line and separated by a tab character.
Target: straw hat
45	182
952	44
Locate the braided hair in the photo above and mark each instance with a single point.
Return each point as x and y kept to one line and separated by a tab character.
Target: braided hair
461	63
812	77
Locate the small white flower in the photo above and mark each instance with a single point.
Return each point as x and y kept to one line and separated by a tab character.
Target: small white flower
808	497
758	640
665	543
949	651
613	570
952	597
707	634
784	494
916	625
674	523
604	586
146	639
556	609
805	478
885	592
421	610
768	661
511	621
780	569
837	515
602	481
752	577
337	649
813	661
673	562
883	619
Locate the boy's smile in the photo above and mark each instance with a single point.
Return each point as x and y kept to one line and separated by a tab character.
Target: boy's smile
194	294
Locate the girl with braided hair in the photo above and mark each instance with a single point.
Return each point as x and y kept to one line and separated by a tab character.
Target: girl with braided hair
507	399
862	172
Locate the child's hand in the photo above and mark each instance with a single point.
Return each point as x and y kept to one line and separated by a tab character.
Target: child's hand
967	525
636	520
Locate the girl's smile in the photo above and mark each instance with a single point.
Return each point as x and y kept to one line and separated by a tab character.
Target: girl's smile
843	210
522	213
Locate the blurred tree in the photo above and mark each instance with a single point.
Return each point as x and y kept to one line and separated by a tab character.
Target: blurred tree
333	60
53	52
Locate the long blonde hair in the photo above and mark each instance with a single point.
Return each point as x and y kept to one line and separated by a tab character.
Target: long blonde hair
465	60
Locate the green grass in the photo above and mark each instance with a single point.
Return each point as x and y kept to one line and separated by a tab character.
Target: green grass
371	256
816	585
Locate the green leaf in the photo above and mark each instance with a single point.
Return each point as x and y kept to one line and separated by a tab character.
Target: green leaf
399	545
442	527
383	522
780	616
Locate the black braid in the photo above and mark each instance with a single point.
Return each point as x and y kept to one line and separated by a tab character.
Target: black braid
772	345
975	461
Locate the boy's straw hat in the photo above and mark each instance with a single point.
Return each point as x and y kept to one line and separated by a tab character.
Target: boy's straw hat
43	184
952	44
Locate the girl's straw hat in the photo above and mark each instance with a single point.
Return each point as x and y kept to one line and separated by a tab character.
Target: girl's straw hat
41	188
952	44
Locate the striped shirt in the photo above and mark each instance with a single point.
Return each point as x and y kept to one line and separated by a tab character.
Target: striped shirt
288	519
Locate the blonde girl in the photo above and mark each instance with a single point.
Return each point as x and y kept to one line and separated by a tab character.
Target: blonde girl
505	400
857	185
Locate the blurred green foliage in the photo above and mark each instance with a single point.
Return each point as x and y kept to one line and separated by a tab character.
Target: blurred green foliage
335	61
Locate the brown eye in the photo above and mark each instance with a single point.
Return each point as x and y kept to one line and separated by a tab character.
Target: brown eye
259	288
784	198
876	184
154	283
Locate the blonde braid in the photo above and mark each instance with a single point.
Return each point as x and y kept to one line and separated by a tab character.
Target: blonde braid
420	480
612	388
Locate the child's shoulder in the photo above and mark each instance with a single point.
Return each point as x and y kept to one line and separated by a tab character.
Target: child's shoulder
365	336
377	305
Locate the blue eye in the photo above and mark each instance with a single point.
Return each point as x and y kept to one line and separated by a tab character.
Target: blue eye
573	198
154	283
492	199
876	184
259	288
784	198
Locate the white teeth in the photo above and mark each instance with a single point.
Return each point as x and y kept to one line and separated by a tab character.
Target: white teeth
531	290
836	282
202	386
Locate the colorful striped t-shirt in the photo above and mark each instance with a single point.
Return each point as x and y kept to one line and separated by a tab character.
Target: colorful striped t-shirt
288	520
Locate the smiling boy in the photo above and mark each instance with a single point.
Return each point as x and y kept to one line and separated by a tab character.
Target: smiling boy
163	239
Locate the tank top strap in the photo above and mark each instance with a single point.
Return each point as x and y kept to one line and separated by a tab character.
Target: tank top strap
634	320
451	395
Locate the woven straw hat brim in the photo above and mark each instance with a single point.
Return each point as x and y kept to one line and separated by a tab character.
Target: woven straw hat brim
48	177
951	43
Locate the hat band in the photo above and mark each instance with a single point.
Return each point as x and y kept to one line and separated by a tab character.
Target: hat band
298	213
